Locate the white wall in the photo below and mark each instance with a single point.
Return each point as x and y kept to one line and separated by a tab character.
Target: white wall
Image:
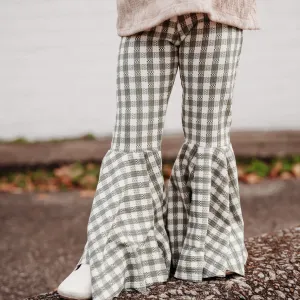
58	63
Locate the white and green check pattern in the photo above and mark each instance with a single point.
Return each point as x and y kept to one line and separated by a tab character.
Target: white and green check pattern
139	231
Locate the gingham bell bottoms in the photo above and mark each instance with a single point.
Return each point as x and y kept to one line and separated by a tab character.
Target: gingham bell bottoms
141	232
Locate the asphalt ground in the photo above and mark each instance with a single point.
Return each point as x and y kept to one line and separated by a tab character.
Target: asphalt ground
42	235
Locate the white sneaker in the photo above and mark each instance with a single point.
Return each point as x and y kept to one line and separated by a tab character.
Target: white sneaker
77	286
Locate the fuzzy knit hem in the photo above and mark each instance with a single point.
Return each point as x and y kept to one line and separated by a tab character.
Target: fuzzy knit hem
225	17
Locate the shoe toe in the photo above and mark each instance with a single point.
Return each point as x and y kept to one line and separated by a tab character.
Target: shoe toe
77	285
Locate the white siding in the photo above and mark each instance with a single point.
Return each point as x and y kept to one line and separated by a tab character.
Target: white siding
58	63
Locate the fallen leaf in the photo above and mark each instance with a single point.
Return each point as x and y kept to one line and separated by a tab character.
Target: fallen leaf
241	171
66	180
296	170
276	169
286	175
252	178
6	187
73	171
88	181
90	166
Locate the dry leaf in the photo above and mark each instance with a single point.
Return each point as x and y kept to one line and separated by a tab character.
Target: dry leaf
296	170
73	171
61	171
90	166
276	169
286	175
66	180
42	187
6	187
88	181
241	170
29	187
252	178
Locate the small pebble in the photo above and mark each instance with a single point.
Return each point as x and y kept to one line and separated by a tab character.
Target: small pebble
257	297
261	275
280	294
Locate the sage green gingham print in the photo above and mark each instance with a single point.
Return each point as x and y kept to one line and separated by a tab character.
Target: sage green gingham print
141	232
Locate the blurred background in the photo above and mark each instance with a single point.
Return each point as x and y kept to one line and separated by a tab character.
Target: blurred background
58	62
58	69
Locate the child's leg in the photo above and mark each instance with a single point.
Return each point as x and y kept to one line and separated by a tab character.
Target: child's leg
127	245
204	217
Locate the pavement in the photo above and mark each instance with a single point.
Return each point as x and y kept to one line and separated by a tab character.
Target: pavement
42	235
260	144
272	272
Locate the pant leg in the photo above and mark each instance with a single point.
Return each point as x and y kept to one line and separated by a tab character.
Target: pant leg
204	218
127	245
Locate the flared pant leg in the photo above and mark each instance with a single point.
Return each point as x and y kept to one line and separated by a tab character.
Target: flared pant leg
204	217
127	245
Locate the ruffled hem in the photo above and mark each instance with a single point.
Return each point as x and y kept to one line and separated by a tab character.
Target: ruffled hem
204	217
127	245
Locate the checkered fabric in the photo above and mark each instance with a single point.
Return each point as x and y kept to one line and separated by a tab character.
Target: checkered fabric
139	231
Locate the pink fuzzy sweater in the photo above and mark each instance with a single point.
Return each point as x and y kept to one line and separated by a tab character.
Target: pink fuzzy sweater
138	15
